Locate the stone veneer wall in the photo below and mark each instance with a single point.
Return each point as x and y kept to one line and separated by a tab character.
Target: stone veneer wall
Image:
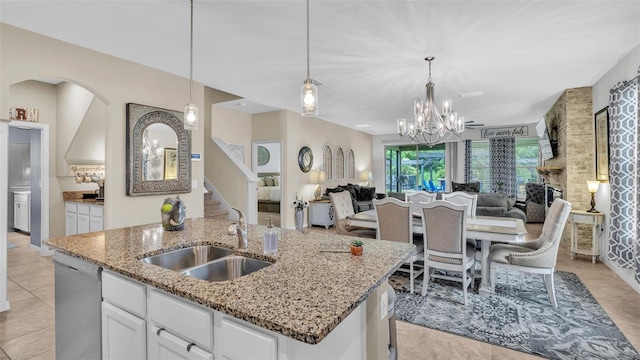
572	114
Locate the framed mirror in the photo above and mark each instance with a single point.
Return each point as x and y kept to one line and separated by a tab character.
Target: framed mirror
158	151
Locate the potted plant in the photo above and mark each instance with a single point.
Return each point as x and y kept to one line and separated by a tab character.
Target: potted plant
356	247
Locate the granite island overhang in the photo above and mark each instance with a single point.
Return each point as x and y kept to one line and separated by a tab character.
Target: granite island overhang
304	295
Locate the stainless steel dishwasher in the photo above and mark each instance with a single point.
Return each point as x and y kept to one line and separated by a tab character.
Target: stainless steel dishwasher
78	308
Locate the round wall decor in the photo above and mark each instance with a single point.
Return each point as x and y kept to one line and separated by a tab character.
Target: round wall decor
305	159
263	155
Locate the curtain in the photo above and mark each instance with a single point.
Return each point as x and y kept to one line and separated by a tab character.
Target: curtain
503	165
624	245
467	161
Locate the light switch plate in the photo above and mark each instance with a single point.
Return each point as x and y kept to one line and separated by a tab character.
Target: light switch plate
384	304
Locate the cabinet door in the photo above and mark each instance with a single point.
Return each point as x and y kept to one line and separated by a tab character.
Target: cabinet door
71	223
83	224
95	224
235	337
123	335
21	215
164	345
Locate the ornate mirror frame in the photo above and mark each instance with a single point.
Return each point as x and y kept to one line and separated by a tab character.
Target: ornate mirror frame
139	117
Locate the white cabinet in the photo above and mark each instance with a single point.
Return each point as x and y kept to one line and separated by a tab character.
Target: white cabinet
180	329
593	219
124	328
21	211
321	213
83	218
123	335
233	339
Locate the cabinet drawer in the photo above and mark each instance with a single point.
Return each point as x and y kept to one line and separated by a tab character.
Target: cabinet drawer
124	293
83	209
188	321
584	219
97	210
20	197
70	207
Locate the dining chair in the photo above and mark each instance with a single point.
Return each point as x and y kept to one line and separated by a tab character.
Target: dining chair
416	197
342	208
537	256
445	231
471	200
395	223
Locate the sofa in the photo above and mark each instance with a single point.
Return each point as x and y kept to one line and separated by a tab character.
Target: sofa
489	204
361	196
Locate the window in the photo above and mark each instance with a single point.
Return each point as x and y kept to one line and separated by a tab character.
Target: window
415	167
351	165
327	162
339	164
526	163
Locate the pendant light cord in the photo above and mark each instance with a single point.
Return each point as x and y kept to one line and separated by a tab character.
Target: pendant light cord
308	78
191	55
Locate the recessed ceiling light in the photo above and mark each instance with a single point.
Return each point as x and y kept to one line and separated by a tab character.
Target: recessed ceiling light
472	94
361	125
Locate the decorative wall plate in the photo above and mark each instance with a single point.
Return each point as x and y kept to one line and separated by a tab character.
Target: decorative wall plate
263	155
305	159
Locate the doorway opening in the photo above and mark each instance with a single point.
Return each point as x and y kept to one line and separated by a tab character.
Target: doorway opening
267	165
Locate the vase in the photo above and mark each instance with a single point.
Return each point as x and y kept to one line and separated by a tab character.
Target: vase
299	219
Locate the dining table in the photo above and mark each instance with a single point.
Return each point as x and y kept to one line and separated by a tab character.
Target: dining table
486	229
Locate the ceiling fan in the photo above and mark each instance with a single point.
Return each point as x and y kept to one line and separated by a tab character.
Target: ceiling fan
472	124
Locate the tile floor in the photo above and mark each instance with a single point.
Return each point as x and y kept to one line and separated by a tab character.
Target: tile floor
27	330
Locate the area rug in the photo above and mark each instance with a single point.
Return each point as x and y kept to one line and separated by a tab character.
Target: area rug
519	316
11	245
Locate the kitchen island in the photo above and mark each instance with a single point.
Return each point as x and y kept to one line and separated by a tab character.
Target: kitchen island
303	300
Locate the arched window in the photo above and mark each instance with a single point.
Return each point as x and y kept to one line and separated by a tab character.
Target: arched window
339	164
327	162
351	165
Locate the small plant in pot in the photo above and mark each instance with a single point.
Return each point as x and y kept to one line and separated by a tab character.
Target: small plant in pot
356	247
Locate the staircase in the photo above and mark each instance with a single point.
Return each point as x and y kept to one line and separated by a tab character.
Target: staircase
212	208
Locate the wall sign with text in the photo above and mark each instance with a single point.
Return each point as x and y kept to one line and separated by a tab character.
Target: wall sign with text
512	131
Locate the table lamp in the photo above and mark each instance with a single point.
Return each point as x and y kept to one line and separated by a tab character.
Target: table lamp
364	177
593	188
316	177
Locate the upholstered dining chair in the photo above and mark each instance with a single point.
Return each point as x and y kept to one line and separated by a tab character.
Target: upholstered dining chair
536	256
343	207
445	247
416	197
395	223
462	198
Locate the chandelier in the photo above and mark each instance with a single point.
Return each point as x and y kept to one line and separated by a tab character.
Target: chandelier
429	126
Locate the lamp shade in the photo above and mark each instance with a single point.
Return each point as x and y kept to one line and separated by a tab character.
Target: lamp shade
364	176
593	186
314	177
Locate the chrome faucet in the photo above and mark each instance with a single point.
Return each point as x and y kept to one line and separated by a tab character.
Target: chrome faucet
240	229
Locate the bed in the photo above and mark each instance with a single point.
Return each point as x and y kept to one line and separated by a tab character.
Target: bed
269	192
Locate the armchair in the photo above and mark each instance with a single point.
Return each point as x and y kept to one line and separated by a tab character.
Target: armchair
537	256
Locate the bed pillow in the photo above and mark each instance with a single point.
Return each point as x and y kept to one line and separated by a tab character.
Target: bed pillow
268	181
276	181
261	182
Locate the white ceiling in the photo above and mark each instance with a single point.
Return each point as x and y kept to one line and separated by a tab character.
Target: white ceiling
368	54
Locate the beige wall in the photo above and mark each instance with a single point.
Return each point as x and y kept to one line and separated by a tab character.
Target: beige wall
233	127
315	133
116	82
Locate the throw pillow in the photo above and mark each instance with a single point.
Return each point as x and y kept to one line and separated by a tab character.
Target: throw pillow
335	189
471	187
268	181
367	193
350	188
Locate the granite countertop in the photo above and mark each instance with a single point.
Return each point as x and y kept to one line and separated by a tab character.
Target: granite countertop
304	295
77	197
87	201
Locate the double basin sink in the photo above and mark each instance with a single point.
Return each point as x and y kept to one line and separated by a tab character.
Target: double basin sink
207	262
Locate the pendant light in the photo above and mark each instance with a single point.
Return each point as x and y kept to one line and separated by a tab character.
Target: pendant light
191	111
308	92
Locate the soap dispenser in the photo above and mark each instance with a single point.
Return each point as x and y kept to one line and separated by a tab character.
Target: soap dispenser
270	240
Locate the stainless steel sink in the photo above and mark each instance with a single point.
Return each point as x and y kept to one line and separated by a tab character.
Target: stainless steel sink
227	268
188	257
